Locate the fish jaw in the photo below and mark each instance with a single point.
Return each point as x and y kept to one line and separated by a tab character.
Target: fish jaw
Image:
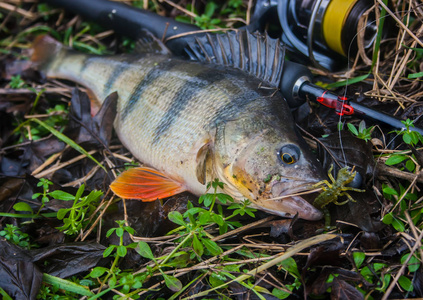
278	199
289	200
289	207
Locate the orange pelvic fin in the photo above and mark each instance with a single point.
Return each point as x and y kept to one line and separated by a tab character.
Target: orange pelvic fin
145	184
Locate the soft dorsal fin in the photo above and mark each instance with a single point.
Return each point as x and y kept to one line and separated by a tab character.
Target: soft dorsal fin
146	184
257	54
148	43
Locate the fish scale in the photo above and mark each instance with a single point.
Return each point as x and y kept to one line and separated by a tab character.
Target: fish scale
193	122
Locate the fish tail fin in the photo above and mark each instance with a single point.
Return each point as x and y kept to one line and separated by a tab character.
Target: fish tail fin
45	51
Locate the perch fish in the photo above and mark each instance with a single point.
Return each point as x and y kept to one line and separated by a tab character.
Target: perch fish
192	122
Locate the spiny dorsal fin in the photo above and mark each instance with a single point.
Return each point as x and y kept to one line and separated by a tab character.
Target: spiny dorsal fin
257	54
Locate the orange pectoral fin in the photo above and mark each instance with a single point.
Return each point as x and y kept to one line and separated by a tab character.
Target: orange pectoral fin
145	184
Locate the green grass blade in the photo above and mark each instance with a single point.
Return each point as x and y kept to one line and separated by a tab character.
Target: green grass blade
67	140
379	35
4	295
415	75
67	285
348	81
28	216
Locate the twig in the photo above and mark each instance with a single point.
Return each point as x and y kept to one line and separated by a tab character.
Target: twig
289	253
47	162
413	230
185	11
243	228
404	265
385	170
400	23
98	218
18	10
81	180
183	273
62	165
197	31
249	8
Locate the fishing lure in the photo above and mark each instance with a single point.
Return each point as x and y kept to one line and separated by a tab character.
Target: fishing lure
333	190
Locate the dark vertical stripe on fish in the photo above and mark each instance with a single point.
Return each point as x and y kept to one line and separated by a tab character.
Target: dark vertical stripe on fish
181	99
151	76
231	108
85	63
118	70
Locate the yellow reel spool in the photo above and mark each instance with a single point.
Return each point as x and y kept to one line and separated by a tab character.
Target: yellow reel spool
333	22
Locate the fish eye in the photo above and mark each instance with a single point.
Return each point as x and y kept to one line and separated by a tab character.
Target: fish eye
289	154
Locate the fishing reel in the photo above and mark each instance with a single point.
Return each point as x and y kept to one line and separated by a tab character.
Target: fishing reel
324	32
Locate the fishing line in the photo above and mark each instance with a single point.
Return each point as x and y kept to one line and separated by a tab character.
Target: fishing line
340	125
346	87
355	38
296	194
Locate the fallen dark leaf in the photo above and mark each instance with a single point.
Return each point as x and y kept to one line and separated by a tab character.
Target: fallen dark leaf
88	130
12	166
103	120
9	186
47	234
320	285
346	149
40	150
418	154
150	218
364	212
344	291
414	112
418	282
6	126
68	259
326	253
279	227
19	277
370	241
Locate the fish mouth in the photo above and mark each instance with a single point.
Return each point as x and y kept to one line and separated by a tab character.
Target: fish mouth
292	205
288	202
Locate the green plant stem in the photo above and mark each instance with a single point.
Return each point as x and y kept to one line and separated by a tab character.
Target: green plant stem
99	294
37	98
176	249
42	202
214	200
112	268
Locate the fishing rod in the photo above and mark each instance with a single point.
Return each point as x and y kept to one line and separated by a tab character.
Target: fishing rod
296	80
298	86
129	21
